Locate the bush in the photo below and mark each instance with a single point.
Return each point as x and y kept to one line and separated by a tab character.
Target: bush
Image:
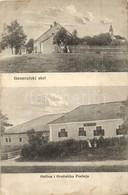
55	150
26	151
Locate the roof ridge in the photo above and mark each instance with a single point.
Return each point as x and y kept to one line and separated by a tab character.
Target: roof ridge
101	103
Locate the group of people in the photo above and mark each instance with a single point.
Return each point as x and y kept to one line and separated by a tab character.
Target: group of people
100	139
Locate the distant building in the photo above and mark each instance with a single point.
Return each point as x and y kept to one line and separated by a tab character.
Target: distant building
22	50
9	52
116	37
44	44
111	32
18	136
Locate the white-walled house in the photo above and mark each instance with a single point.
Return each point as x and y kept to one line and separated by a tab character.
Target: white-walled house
44	43
17	135
88	121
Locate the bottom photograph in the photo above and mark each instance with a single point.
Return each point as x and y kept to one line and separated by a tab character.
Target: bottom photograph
64	129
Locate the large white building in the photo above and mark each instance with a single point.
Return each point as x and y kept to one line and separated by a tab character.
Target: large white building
87	121
44	43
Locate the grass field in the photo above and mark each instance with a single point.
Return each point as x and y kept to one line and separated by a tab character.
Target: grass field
62	169
73	62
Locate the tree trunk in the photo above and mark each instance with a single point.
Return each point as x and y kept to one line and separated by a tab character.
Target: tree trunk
12	50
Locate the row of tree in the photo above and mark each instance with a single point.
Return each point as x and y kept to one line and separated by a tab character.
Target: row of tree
13	36
102	39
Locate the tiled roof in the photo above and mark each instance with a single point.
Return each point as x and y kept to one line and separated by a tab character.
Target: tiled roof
38	124
91	112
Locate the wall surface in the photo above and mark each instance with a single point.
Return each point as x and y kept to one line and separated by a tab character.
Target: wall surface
72	129
15	139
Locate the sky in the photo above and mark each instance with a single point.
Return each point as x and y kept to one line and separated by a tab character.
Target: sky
23	104
89	17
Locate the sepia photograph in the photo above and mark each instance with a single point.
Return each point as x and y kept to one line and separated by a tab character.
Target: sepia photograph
64	129
63	36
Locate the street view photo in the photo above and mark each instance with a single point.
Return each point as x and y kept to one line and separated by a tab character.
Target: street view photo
64	129
64	36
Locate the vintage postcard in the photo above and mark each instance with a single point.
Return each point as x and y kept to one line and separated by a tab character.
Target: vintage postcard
64	136
63	36
64	97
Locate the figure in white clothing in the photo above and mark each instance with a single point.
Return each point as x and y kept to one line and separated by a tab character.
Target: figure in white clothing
89	143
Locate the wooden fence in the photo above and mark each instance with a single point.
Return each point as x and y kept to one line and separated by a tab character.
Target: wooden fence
9	155
97	49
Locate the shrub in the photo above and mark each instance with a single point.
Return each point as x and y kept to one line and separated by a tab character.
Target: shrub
26	151
60	149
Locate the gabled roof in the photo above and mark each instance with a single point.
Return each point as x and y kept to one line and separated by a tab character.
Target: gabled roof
91	112
38	124
50	32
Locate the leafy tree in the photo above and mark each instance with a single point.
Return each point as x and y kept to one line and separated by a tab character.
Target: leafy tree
62	36
74	33
75	39
29	45
87	40
36	142
13	36
35	138
3	123
101	39
124	115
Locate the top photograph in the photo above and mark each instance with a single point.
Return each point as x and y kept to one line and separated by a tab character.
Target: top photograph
63	36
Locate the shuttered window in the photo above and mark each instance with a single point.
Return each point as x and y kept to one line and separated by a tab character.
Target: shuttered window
82	132
63	133
99	131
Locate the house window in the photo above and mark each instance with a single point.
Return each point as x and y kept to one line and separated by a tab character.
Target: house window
20	139
62	133
120	130
9	139
6	139
99	131
82	132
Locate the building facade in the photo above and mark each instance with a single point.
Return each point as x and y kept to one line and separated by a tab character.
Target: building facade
87	122
84	122
44	44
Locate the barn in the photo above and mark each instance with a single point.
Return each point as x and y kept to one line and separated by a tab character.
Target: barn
87	122
17	135
44	44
